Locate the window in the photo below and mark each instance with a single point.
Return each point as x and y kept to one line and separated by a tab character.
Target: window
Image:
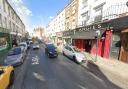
67	13
5	22
85	18
73	9
3	43
84	3
70	49
4	6
98	13
0	20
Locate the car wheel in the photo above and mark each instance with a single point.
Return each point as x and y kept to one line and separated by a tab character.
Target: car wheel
63	53
11	80
75	60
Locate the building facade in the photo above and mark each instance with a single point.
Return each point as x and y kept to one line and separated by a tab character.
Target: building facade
39	32
71	15
110	19
93	11
11	26
56	27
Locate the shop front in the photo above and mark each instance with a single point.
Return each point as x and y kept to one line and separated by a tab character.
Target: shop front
124	46
5	40
67	37
86	40
59	38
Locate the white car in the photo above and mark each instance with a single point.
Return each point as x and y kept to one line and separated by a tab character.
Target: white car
24	44
36	46
74	53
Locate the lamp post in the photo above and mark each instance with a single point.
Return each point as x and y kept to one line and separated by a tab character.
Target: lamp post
97	38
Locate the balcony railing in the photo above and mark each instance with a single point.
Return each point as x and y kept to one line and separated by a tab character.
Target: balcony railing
115	11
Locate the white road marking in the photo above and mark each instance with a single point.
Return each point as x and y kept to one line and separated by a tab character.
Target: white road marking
38	76
35	60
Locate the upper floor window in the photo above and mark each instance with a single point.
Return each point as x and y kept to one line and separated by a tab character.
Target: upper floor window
73	10
85	17
67	13
4	6
0	20
84	3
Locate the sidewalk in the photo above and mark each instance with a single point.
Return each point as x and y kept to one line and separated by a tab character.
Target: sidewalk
114	70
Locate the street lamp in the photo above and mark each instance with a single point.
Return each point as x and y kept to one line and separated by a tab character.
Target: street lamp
97	38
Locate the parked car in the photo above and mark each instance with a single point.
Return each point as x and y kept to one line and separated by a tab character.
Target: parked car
24	44
73	53
28	44
36	45
51	50
6	76
15	57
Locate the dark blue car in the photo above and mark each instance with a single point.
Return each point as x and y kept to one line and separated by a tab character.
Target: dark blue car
51	50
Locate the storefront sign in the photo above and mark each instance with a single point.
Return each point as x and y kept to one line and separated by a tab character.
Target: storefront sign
91	27
69	33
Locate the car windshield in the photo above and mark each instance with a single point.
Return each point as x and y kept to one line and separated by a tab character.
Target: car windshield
51	46
15	51
76	49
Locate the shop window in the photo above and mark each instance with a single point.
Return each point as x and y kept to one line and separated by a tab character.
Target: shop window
3	43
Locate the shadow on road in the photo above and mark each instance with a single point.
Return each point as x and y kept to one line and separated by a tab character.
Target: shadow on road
93	68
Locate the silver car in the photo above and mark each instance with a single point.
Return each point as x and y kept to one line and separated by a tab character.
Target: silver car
15	57
74	53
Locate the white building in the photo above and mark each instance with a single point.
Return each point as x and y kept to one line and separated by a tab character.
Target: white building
57	24
9	19
91	11
10	25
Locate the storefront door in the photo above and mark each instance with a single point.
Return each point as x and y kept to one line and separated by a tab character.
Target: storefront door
115	46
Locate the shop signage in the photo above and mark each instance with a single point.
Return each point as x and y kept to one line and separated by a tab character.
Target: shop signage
91	27
68	33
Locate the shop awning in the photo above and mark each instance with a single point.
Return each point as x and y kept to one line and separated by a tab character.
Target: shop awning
87	35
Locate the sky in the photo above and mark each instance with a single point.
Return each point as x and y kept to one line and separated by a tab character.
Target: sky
36	13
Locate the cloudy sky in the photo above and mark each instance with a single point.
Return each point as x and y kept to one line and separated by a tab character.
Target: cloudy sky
37	12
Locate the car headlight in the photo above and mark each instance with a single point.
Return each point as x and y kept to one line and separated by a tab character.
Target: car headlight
50	52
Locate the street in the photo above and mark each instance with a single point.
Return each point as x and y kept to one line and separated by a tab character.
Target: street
41	72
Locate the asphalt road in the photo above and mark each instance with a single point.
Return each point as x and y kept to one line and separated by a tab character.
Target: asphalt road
41	72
